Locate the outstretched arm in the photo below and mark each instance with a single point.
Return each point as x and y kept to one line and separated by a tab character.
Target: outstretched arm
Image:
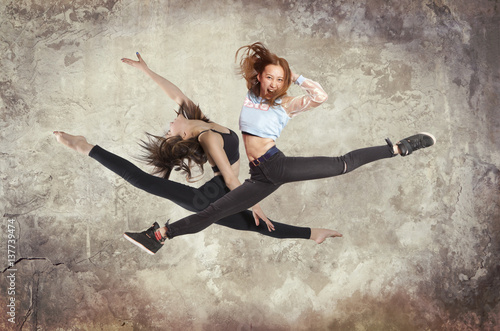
168	87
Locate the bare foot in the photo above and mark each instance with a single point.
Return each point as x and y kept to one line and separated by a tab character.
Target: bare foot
77	143
319	235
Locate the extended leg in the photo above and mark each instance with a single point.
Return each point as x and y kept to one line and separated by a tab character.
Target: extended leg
244	221
190	198
293	169
239	199
183	195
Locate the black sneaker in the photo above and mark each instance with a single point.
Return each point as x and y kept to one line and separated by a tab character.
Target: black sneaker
416	142
150	240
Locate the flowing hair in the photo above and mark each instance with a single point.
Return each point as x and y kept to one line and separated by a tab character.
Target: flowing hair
173	153
253	61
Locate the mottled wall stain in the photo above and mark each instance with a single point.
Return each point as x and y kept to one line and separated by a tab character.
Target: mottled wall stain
14	105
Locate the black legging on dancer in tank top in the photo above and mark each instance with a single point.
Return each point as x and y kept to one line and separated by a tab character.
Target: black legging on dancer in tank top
191	198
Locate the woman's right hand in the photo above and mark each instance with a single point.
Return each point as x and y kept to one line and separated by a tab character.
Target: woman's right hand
293	76
259	214
137	64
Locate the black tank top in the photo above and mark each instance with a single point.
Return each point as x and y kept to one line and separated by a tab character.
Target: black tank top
231	146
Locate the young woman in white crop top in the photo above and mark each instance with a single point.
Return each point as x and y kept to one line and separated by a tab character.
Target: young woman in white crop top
202	140
266	110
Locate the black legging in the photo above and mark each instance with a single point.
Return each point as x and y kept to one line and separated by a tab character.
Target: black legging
269	176
193	199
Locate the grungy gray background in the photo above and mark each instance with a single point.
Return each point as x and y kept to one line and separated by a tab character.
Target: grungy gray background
421	234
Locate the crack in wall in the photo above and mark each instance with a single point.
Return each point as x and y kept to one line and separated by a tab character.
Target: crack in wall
30	259
32	310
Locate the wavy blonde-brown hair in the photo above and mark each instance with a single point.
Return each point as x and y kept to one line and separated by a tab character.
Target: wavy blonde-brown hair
173	153
253	61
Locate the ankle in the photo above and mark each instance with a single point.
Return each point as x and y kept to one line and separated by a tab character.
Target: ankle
84	148
318	235
396	149
163	231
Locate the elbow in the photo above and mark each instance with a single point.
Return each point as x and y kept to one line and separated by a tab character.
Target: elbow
325	98
321	98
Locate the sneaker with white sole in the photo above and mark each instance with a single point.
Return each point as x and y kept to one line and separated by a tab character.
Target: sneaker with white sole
416	142
149	240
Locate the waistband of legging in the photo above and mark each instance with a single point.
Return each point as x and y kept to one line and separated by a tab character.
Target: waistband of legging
255	163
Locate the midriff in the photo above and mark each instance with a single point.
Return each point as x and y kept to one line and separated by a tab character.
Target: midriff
256	146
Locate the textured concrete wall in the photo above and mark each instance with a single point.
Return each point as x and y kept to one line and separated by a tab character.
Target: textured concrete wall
421	234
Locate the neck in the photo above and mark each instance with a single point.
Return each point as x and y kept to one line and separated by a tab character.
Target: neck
195	127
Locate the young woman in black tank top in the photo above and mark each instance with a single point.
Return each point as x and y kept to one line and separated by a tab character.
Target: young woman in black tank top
221	150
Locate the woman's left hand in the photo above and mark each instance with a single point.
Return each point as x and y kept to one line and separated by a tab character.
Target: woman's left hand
258	214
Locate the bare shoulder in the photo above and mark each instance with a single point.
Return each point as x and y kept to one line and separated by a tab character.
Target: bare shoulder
209	138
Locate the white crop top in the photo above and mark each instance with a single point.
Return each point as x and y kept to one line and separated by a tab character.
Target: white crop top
260	119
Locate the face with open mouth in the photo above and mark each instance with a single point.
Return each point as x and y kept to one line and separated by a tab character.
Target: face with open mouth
271	80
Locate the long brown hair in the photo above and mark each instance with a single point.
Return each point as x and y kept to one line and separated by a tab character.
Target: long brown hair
173	153
253	61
